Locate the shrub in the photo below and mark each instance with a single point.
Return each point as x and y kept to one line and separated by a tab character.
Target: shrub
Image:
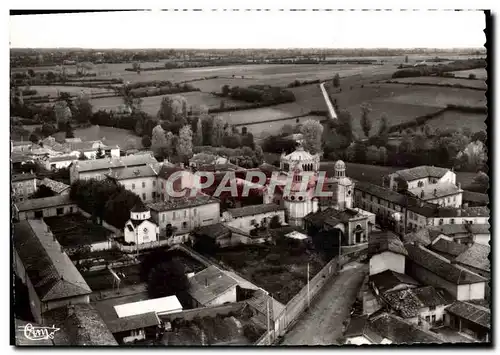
472	76
251	332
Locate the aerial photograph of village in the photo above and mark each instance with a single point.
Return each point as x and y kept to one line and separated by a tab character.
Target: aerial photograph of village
247	194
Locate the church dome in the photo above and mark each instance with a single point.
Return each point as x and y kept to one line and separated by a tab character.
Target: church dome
140	212
299	154
339	165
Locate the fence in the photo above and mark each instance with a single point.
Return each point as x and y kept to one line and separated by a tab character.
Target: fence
300	302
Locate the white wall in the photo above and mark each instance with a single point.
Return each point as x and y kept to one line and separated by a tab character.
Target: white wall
49	212
245	221
482	239
228	296
471	292
139	236
192	217
58	164
387	261
24	188
135	186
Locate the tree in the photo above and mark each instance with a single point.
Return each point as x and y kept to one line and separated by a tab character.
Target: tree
69	131
167	279
159	141
185	143
173	109
146	141
372	155
217	131
287	130
482	180
225	90
336	81
34	138
406	59
198	133
99	154
366	124
344	125
83	109
82	156
247	140
401	184
43	191
275	222
312	132
62	111
171	145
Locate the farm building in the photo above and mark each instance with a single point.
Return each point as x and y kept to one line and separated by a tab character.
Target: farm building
471	319
136	327
386	252
23	186
435	270
97	168
41	263
211	287
45	207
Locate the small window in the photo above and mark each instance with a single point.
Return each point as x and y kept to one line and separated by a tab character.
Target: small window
143	184
194	211
185	213
71	210
153	194
452	221
427	319
154	183
432	308
184	224
133	186
434	318
253	221
59	211
143	196
163	217
440	221
174	215
162	185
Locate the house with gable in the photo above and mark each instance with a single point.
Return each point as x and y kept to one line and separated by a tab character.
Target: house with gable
141	228
386	252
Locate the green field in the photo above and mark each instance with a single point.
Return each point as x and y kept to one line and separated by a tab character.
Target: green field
54	90
109	136
479	73
475	121
440	81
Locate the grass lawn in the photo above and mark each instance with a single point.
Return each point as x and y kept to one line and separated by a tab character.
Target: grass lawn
479	73
283	278
109	136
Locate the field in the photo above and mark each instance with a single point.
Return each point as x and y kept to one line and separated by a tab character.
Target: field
401	103
54	90
283	279
479	73
440	81
262	129
109	136
474	121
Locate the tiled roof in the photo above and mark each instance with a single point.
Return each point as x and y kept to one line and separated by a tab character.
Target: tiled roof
46	202
476	256
21	143
453	229
132	172
175	203
441	268
447	247
22	177
139	207
50	270
254	210
217	230
113	163
389	279
88	327
429	296
421	172
431	192
379	242
139	321
260	302
62	158
405	302
401	332
381	192
208	284
167	170
422	236
54	185
471	312
481	211
360	326
469	196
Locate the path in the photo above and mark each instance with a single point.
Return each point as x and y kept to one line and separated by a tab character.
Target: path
331	110
323	323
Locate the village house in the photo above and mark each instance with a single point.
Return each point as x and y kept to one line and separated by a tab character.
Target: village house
41	263
23	186
443	194
471	319
248	217
476	259
183	214
44	207
97	168
56	187
432	269
141	180
182	180
57	162
90	149
463	233
420	176
137	327
218	234
141	228
211	287
386	252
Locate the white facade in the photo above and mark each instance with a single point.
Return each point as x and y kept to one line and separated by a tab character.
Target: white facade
140	229
449	176
23	189
248	222
387	260
145	187
471	291
48	212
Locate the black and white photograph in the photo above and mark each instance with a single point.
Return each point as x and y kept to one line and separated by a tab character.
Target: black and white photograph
233	177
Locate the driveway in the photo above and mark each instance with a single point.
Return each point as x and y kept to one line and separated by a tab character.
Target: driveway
322	323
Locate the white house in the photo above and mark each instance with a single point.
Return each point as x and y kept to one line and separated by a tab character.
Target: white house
421	176
141	228
57	162
386	252
212	287
23	186
141	180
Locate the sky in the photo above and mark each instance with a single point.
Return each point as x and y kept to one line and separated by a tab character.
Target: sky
273	29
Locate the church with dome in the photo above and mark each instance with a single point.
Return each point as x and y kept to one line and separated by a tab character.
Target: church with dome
141	228
316	200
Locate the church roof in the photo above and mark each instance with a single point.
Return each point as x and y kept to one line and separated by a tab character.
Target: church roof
299	154
139	207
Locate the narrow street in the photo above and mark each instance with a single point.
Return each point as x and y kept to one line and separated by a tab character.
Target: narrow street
322	324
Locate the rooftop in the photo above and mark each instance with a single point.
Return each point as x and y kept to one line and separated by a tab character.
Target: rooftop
132	172
360	326
481	211
476	197
399	331
254	210
54	185
299	154
22	177
422	236
453	229
217	230
50	270
175	203
113	163
208	284
379	242
41	203
389	279
434	191
456	275
448	248
167	304
422	172
473	313
477	256
57	158
409	302
133	322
